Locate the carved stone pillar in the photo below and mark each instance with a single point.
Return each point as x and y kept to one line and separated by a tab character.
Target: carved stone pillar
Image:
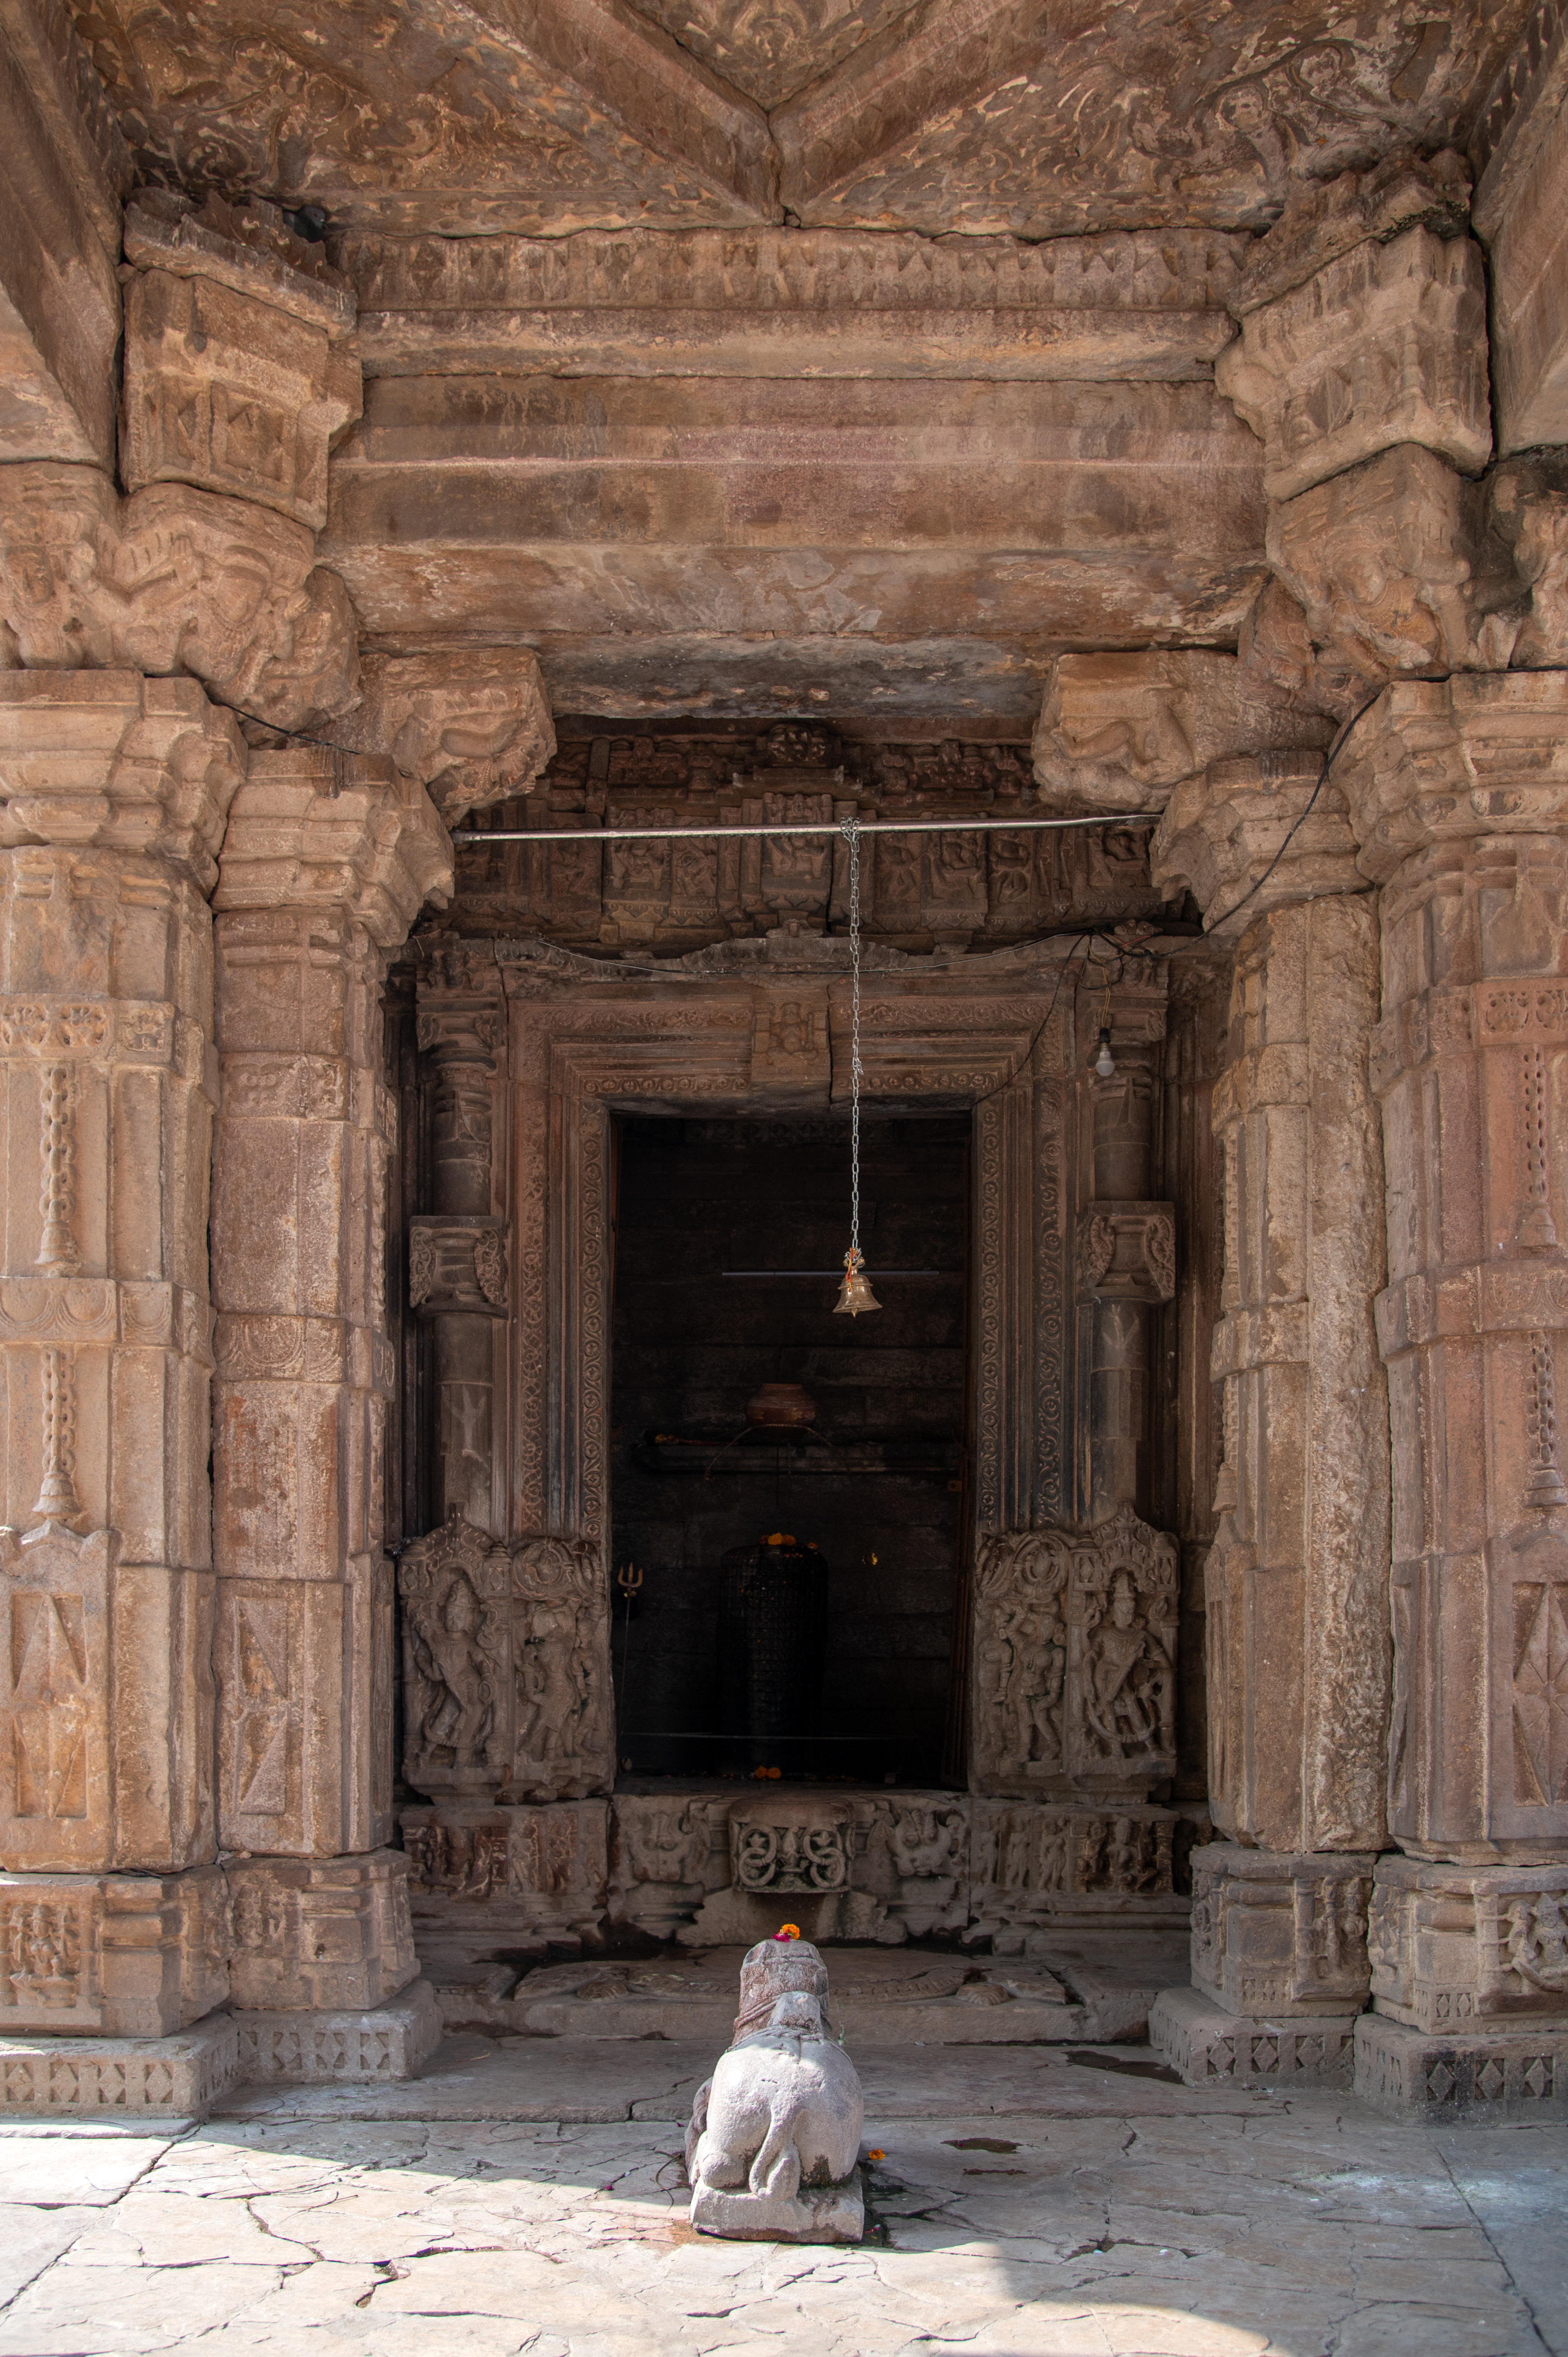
325	863
1126	1264
113	796
1458	796
1296	1579
457	1258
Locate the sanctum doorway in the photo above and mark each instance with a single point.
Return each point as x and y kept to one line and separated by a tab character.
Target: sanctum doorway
872	1484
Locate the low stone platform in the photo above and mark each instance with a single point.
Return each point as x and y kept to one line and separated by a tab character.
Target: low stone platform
1026	2203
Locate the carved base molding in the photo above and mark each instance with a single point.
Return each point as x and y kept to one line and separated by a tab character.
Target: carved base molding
1197	2038
299	2050
161	2078
1478	2079
707	1869
181	2077
1454	1947
1284	1935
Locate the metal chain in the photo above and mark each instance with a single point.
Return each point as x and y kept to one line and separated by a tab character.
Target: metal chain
852	837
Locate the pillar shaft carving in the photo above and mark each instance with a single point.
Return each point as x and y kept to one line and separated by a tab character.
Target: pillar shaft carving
117	789
1455	791
1297	1579
459	1256
325	864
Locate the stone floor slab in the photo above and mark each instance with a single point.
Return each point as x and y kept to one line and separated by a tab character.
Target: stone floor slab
1062	2209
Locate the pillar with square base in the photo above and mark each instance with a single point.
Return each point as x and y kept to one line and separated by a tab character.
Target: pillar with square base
1458	793
1296	1579
111	1908
326	860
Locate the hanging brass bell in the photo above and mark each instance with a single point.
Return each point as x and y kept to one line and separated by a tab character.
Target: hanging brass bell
855	1293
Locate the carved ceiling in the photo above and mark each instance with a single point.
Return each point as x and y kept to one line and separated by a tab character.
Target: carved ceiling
480	115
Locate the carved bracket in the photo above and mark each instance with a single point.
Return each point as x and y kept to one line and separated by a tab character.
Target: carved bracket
1126	1252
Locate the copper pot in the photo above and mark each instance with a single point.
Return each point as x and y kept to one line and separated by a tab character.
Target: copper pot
781	1408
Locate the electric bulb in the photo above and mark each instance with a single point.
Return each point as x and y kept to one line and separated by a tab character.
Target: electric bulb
1104	1063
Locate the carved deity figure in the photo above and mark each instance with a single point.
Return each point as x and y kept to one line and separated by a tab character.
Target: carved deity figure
1130	1681
456	1704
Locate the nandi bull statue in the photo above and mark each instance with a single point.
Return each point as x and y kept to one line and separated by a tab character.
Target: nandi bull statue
772	2149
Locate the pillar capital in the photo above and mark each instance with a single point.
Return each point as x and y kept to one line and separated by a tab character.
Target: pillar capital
1222	835
174	580
111	761
314	830
1451	760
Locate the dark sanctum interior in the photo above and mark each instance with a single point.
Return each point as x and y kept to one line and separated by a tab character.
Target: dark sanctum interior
709	1216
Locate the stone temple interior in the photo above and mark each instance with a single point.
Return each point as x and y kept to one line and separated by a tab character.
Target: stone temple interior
589	593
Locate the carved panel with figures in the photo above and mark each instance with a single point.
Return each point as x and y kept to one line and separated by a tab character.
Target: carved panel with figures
1074	1650
506	1655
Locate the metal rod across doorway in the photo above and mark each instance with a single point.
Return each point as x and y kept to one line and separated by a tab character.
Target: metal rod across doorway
871	828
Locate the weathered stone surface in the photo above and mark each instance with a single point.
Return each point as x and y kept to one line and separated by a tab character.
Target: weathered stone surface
1222	835
1453	791
787	303
313	830
249	248
313	884
1386	345
471	725
442	124
59	188
226	390
1118	732
774	2138
1278	1933
1074	1651
524	1878
324	1935
1207	2044
1036	1865
1325	218
111	1955
1294	1583
111	761
1519	213
168	580
1484	1948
